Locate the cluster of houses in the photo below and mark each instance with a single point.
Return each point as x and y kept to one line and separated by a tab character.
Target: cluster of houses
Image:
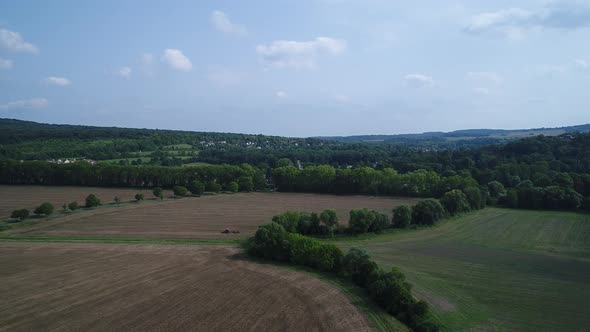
71	161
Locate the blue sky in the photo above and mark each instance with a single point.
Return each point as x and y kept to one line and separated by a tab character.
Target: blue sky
297	68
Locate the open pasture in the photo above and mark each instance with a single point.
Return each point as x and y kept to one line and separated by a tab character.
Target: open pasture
203	217
102	287
497	269
29	197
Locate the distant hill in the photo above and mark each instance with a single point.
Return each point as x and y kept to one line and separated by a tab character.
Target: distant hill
489	136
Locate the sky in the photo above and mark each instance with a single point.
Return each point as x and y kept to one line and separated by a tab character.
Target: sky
297	68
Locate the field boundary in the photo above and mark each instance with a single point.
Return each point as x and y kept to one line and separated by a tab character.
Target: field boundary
84	239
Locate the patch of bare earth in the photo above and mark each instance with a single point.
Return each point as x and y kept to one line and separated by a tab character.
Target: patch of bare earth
203	217
29	197
91	287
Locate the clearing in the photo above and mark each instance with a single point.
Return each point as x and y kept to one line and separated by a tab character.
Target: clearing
496	269
91	287
200	218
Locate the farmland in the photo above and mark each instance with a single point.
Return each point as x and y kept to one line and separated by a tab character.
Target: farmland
203	217
29	197
87	287
496	269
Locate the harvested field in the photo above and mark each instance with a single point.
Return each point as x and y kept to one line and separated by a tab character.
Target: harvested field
88	287
204	217
29	197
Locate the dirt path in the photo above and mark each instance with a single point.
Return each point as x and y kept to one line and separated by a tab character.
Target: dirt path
94	287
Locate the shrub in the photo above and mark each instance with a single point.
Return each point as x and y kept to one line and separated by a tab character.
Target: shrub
213	187
233	187
474	198
139	197
196	187
357	266
427	212
402	216
20	214
158	192
179	191
455	201
246	183
270	242
586	204
92	201
73	206
313	253
289	220
329	218
44	209
496	189
364	220
117	199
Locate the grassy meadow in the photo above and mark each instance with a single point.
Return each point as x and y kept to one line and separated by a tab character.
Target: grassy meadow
496	269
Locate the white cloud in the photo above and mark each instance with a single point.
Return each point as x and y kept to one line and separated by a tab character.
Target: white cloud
223	76
484	76
25	104
5	64
176	60
419	80
13	41
515	22
281	94
482	91
294	54
582	63
220	21
124	72
341	98
59	81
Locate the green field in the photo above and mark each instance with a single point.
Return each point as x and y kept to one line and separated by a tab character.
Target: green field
496	269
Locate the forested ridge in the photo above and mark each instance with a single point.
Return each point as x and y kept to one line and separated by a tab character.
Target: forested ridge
541	172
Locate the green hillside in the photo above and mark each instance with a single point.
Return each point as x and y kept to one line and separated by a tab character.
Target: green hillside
497	269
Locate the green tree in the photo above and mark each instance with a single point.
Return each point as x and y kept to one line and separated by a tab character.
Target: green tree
284	162
139	197
474	197
427	212
196	187
246	183
180	191
329	218
402	216
21	214
213	187
270	242
233	187
44	209
455	201
158	192
73	206
117	200
92	201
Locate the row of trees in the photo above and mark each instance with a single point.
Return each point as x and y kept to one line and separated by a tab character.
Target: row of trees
389	290
36	172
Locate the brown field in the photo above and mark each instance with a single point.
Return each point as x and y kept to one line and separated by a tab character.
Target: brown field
204	217
29	197
91	287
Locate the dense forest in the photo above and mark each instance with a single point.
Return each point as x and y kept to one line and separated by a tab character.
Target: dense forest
540	172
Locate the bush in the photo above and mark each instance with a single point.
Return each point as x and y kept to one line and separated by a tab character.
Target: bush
402	216
270	242
233	187
44	209
357	266
139	197
92	201
179	191
427	212
455	201
117	199
213	187
586	204
329	218
73	206
246	183
196	187
475	198
313	253
158	192
20	214
289	220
